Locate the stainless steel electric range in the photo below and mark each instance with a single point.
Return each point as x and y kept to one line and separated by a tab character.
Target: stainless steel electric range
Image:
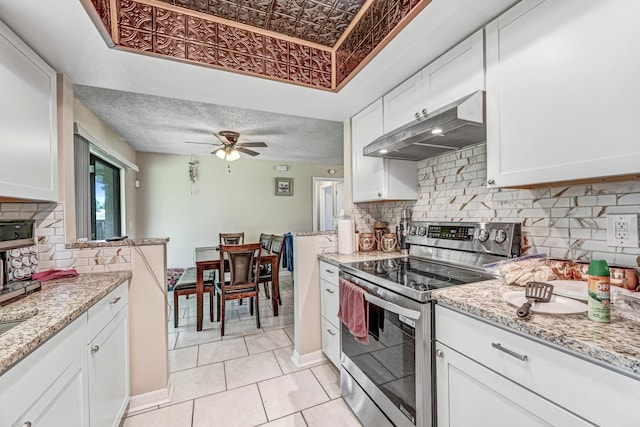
389	380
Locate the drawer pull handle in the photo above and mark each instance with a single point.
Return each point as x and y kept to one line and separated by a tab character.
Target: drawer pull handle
95	349
329	271
115	300
331	332
499	346
330	291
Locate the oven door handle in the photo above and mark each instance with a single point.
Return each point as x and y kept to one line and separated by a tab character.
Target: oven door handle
411	314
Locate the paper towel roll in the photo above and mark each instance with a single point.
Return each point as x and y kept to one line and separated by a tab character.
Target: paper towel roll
345	236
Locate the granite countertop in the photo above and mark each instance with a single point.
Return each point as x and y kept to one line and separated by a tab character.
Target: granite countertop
616	343
57	304
337	259
118	243
315	233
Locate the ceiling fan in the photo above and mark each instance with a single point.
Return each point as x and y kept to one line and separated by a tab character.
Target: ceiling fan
230	147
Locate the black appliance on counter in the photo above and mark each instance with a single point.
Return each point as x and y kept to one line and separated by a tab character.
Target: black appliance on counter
18	259
390	379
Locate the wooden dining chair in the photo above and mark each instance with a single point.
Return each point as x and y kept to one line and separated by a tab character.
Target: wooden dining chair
265	239
231	238
243	265
266	275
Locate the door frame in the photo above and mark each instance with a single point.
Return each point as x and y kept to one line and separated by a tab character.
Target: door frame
316	181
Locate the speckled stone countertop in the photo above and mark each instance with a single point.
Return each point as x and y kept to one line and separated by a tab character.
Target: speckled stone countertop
616	343
315	233
57	304
337	259
115	244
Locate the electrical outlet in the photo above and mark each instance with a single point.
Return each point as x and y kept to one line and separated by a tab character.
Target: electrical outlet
622	230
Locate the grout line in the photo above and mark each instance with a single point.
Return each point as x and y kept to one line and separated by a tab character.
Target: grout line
193	411
319	382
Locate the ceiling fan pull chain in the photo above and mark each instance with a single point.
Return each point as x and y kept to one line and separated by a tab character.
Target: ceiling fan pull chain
229	167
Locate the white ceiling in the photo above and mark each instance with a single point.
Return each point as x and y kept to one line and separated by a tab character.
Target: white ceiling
61	32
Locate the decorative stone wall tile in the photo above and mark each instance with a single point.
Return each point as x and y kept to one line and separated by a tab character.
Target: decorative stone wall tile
135	15
240	41
170	46
170	23
277	69
202	31
202	53
136	39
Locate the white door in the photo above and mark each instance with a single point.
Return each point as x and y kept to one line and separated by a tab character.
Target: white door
326	207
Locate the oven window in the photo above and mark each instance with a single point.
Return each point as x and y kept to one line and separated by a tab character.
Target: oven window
389	359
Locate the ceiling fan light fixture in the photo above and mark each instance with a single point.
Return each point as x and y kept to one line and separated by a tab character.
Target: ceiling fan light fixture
221	154
232	155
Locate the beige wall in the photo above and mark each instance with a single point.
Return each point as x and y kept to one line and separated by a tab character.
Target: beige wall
221	200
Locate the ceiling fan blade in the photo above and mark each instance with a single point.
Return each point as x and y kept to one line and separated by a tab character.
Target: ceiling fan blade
203	143
252	144
222	139
245	151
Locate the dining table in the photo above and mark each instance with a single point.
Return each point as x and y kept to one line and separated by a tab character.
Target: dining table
208	258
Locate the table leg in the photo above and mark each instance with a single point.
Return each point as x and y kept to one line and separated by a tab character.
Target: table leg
275	291
199	295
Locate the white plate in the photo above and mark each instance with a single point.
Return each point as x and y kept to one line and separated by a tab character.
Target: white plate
576	289
557	305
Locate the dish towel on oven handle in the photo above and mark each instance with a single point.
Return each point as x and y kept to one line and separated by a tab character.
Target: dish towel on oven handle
353	310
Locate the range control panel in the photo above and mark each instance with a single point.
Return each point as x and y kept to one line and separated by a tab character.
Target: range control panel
499	238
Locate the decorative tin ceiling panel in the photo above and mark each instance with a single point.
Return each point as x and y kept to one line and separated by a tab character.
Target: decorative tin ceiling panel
316	21
180	33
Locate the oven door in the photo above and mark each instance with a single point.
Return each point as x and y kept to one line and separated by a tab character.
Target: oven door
392	367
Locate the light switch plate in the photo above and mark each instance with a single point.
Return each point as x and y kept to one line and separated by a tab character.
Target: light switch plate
622	230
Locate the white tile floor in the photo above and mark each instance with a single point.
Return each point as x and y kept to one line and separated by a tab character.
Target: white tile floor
245	378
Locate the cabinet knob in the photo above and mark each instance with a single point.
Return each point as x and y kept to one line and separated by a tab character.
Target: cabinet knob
424	112
115	300
439	353
379	194
95	349
418	115
26	424
491	182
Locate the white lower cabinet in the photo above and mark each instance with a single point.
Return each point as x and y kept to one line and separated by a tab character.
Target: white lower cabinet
489	376
329	304
74	379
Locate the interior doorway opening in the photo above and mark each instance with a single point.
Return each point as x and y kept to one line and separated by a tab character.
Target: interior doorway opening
328	202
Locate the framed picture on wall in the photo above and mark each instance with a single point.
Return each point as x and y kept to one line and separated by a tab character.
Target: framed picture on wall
284	186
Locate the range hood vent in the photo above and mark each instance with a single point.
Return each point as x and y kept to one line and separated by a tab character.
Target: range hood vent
451	127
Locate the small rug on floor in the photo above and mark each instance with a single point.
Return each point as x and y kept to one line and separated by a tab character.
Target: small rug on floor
173	275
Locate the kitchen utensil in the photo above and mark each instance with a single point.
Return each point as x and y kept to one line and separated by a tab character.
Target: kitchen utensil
535	292
576	289
557	304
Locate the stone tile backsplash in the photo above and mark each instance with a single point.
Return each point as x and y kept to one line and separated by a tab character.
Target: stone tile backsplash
564	221
52	251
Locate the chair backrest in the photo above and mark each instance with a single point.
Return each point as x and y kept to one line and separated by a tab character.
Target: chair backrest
231	238
244	262
265	239
276	243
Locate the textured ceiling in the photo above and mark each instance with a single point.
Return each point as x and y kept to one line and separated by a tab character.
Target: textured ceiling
162	125
316	21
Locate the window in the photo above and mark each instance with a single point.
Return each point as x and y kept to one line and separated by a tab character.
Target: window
104	179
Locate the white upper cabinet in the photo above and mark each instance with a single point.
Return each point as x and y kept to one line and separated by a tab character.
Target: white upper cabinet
457	73
562	92
28	122
375	178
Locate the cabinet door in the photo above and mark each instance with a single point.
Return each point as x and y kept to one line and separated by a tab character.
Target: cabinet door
331	342
109	372
468	394
456	74
368	172
28	120
562	92
403	102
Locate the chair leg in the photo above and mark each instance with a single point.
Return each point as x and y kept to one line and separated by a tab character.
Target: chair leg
175	310
251	306
211	305
266	290
240	302
224	303
218	304
257	311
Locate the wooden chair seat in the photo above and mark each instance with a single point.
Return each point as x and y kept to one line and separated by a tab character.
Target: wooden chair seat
186	285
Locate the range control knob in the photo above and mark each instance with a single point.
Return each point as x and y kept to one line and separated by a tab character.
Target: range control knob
501	236
412	230
422	231
483	235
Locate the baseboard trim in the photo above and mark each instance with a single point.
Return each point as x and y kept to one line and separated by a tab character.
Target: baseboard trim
149	400
308	359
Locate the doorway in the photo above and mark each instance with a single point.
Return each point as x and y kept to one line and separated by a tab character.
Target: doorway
328	202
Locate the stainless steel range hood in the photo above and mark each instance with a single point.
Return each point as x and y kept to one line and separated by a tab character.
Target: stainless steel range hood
451	127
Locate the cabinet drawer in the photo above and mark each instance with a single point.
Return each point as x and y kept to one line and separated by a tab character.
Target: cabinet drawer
569	381
329	301
105	309
331	341
329	272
